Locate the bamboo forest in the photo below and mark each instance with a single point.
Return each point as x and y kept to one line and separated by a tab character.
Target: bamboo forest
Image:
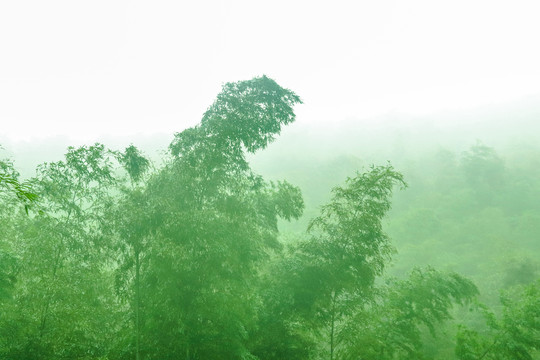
234	245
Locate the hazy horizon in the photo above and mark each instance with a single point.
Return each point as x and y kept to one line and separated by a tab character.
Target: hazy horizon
88	71
298	180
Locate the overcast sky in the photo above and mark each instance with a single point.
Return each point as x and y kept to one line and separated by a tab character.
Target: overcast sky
91	68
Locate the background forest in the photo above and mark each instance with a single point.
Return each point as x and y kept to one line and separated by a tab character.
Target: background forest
227	247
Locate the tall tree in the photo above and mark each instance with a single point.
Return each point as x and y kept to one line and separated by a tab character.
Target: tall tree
349	248
213	221
334	270
130	224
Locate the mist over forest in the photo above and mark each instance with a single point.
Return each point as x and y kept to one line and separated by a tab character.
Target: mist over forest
255	236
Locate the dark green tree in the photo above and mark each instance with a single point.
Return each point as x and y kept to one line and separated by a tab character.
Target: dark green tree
213	225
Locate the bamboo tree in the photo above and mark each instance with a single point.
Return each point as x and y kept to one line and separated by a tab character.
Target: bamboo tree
216	223
136	166
58	252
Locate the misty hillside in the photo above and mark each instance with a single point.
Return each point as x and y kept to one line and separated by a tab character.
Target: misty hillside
395	237
510	128
285	180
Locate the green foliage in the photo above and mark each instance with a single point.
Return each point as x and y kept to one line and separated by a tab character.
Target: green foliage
333	272
134	163
392	324
250	112
348	238
203	224
486	229
9	183
482	166
186	261
58	280
7	278
513	335
12	193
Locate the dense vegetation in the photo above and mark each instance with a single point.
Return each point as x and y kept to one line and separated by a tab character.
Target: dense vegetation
105	256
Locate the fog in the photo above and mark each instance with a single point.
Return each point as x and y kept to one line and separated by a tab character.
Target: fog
289	181
465	230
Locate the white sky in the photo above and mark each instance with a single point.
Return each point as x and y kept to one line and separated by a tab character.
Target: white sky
90	68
